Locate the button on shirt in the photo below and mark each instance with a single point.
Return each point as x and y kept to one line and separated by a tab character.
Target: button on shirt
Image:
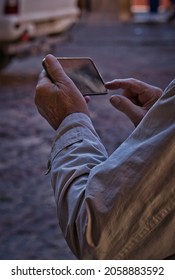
120	206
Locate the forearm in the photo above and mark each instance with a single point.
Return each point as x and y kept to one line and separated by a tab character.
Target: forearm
77	150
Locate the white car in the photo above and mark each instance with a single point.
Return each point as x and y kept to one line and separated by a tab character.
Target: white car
25	20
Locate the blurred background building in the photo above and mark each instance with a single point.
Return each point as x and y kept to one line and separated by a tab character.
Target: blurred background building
124	10
118	5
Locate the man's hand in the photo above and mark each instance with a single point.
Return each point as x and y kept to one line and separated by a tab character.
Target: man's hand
60	98
137	98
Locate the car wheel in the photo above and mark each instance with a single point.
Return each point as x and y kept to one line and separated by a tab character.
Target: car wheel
5	59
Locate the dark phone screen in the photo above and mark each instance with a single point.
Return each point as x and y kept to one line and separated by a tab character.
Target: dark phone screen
84	74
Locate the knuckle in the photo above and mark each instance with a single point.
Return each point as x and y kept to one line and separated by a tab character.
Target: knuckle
38	94
131	80
159	92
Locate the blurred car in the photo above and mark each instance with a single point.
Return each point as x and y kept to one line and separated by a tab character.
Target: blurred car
24	21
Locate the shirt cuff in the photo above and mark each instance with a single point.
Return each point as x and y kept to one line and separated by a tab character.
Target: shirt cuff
74	128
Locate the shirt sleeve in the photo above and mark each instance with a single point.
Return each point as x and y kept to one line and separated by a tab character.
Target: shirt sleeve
120	206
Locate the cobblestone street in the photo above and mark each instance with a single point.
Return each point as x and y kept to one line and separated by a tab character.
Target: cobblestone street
28	221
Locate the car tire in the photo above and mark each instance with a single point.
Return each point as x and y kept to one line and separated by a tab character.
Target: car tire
5	59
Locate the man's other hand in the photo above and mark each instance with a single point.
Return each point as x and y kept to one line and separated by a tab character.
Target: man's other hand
138	97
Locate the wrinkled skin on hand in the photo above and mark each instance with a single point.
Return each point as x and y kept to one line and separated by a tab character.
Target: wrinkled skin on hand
60	97
138	97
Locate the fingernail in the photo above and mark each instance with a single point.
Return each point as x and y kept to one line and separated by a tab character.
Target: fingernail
115	100
49	59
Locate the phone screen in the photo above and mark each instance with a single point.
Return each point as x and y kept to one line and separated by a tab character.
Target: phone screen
84	74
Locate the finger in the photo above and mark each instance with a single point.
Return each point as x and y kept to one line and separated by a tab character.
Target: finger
43	86
55	69
123	104
87	99
115	84
43	78
130	84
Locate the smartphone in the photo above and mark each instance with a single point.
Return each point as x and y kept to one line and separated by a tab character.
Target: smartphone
84	73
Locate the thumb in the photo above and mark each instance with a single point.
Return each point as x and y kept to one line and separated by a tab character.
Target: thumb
123	104
54	69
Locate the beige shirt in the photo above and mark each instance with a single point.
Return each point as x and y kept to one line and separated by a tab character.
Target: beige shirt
120	206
